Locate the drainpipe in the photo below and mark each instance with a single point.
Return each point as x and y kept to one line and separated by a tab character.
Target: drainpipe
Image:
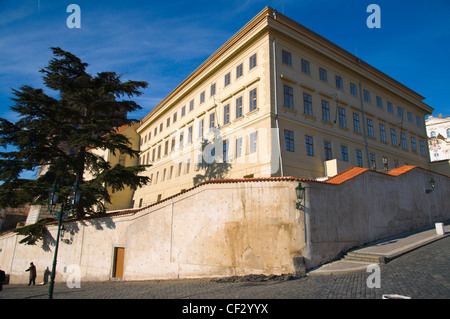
364	126
276	104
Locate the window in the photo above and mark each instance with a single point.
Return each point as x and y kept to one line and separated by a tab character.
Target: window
160	127
168	122
238	107
253	104
159	151
385	164
382	133
359	158
448	133
309	145
342	120
212	121
226	114
422	148
344	153
323	75
252	61
225	150
166	147
200	128
190	134
213	89
202	97
191	105
356	126
180	166
403	140
172	147
413	144
353	89
400	112
227	79
288	97
327	149
181	139
307	104
188	165
239	71
199	161
174	117
390	109
287	58
238	147
325	111
369	127
183	111
305	66
253	142
410	118
339	83
379	102
419	123
373	162
289	140
393	137
366	96
433	134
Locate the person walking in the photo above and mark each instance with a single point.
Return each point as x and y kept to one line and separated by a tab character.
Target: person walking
32	271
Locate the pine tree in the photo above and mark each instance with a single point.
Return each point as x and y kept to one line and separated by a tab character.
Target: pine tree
57	134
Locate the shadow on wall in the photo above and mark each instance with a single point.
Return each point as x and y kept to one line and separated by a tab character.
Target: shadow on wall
69	229
214	161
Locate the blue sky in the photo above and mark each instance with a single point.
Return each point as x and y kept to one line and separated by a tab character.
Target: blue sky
162	42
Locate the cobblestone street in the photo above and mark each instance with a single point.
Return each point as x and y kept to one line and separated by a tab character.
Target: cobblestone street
420	274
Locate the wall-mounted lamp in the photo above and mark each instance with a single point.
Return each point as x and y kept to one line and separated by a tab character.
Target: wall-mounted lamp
300	191
432	184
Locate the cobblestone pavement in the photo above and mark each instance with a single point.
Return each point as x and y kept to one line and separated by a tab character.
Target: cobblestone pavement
420	274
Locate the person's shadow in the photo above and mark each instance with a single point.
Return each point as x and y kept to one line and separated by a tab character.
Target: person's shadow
47	274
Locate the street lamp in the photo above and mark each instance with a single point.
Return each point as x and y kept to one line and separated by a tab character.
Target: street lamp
300	192
432	184
61	214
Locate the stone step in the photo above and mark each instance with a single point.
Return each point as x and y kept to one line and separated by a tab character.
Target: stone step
357	256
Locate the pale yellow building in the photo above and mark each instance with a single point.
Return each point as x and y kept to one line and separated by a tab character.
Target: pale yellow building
279	100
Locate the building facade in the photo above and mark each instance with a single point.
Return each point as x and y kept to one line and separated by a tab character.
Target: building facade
279	100
438	132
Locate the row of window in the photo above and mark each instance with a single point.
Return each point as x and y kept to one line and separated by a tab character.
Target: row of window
342	119
213	121
323	76
212	91
328	154
433	133
185	167
157	152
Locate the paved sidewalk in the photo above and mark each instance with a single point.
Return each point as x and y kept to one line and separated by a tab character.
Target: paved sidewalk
381	252
420	274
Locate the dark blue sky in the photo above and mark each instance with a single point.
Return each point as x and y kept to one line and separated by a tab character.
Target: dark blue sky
162	42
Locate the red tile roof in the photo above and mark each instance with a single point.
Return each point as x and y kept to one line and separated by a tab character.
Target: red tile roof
350	173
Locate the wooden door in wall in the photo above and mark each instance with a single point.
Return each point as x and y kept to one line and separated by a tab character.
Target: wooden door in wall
119	254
